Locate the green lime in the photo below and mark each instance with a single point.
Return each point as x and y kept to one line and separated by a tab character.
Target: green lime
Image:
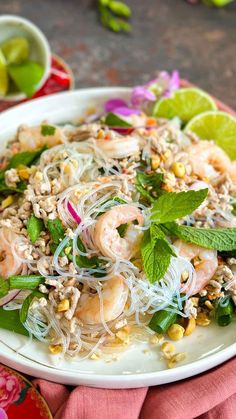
217	126
26	76
184	103
3	75
15	50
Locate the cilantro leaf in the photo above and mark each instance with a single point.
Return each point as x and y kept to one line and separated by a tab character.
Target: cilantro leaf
34	227
47	130
149	185
112	120
156	254
221	239
175	205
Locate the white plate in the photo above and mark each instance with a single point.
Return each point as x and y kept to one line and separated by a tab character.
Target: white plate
138	366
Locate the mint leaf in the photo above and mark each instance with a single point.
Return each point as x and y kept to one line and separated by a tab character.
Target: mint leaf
112	120
47	130
157	233
221	239
156	257
175	205
149	185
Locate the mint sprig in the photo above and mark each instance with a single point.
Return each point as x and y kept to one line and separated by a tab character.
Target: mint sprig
221	239
175	205
156	250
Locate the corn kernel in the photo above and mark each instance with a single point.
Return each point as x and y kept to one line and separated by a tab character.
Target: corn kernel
55	349
155	162
202	320
95	357
167	347
209	305
123	336
64	305
7	201
175	332
178	169
190	327
100	134
23	172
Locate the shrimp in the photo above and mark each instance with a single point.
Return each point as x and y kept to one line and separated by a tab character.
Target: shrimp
119	147
92	310
31	138
10	264
107	238
207	158
205	266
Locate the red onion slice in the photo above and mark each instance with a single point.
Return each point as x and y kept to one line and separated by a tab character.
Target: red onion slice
9	297
73	213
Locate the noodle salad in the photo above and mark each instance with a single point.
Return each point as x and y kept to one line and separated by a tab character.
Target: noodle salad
120	229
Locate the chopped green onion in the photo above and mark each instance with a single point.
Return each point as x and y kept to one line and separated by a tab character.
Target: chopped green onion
10	320
28	282
162	320
4	287
34	227
224	312
26	304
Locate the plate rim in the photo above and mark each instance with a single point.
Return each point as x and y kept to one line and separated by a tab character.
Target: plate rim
132	380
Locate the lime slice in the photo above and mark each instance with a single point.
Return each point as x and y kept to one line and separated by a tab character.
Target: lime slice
15	50
184	103
217	126
3	75
26	76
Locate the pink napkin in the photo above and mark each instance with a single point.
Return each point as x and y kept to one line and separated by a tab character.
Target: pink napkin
211	395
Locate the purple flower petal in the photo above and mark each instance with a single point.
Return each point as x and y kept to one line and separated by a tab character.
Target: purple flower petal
125	111
141	95
112	104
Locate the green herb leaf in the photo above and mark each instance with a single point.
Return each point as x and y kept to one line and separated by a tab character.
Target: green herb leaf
4	287
10	320
28	282
84	261
4	189
175	205
56	230
26	304
156	254
149	185
34	227
113	120
26	158
234	206
47	130
221	239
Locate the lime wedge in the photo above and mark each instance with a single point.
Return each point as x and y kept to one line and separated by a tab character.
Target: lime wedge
217	126
26	76
184	103
15	50
3	75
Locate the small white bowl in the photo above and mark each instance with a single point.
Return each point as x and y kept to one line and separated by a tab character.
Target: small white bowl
15	26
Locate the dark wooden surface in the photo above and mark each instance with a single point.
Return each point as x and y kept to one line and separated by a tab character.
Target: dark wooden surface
167	34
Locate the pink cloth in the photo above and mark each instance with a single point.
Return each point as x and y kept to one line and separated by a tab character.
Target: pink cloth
211	395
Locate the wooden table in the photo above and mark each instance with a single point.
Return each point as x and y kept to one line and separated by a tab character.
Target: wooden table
167	34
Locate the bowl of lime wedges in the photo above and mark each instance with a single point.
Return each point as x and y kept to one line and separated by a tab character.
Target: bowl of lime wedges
25	58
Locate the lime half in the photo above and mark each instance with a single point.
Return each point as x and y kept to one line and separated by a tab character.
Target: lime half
26	76
15	50
184	103
3	75
217	126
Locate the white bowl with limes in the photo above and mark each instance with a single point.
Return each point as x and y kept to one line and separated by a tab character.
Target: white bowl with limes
39	50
